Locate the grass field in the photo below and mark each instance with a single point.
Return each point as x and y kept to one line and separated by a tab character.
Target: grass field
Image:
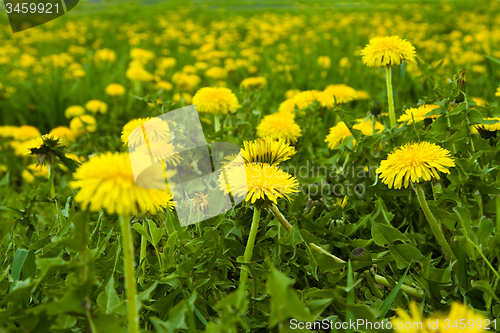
371	168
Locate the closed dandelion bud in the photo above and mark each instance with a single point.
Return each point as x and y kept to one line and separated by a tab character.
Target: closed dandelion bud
376	107
360	254
462	85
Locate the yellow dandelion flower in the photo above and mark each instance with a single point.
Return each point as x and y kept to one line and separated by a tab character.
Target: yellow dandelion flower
288	106
106	181
158	148
167	86
387	51
340	131
178	97
216	73
215	100
263	182
250	83
186	82
410	323
306	98
200	65
82	124
115	89
497	93
104	55
63	133
267	150
361	94
33	170
460	313
366	126
95	106
138	74
157	130
25	147
342	92
8	131
415	161
279	125
189	69
142	55
337	134
131	126
26	132
342	202
162	199
418	114
74	111
167	62
291	93
486	127
324	62
480	101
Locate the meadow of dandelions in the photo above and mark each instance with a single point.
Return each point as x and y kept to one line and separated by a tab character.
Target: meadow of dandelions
368	177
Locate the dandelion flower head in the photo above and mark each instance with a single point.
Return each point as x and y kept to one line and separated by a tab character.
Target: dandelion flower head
279	125
414	161
387	51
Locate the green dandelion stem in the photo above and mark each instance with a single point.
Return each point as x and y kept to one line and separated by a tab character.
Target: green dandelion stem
390	98
142	254
216	123
130	286
276	212
436	229
410	291
137	88
498	214
89	315
247	256
373	285
50	174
